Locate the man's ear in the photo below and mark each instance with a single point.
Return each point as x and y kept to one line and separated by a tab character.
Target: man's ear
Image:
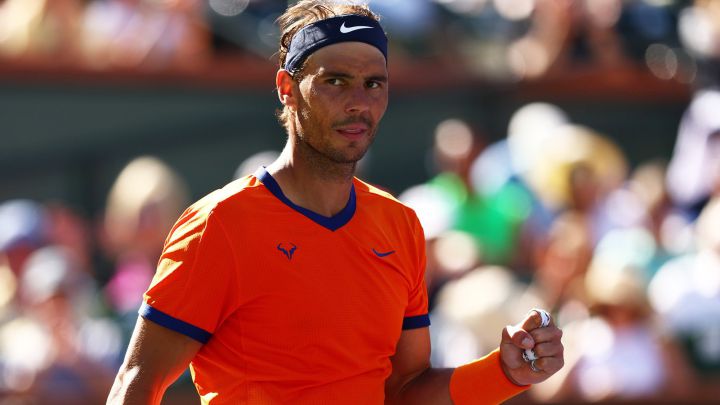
285	88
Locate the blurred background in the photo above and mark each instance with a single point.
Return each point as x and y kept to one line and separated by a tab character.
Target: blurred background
562	154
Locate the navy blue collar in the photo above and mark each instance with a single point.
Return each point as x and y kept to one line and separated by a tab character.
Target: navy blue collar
332	223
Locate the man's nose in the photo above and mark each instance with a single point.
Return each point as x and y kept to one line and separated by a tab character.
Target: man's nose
358	101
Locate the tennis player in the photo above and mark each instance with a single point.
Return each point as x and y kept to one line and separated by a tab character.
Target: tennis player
301	284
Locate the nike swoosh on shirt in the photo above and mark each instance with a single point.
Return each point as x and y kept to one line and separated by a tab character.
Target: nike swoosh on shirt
345	29
382	254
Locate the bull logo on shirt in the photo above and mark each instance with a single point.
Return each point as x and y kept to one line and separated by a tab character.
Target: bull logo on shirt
288	251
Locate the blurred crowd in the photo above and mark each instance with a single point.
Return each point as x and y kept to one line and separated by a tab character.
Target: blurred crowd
496	39
553	216
64	324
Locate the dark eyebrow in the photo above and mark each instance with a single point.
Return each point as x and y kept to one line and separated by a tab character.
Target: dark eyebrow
380	78
341	75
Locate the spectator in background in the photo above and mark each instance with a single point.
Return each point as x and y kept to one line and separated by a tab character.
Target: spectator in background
619	353
504	170
686	293
146	34
41	30
566	33
563	261
141	207
546	166
251	163
23	228
441	201
694	169
493	218
647	184
70	230
53	351
699	31
8	287
668	226
577	171
456	204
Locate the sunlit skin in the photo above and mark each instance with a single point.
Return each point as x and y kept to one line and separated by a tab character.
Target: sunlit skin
337	102
343	95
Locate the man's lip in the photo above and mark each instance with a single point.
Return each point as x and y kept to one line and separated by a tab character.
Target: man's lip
352	129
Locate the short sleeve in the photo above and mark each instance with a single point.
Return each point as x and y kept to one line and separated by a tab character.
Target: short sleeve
416	313
195	287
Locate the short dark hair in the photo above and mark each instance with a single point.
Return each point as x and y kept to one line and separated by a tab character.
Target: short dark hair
301	14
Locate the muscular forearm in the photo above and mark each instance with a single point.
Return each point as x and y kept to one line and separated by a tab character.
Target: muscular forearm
130	388
155	358
429	387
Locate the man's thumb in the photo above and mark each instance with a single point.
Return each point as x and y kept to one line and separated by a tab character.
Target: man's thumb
518	337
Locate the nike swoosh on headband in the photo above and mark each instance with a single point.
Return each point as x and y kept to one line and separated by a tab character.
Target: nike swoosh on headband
345	29
332	31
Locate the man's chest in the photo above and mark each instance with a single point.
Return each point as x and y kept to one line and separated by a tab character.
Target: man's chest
314	289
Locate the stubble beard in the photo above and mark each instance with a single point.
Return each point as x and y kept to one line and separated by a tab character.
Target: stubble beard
326	158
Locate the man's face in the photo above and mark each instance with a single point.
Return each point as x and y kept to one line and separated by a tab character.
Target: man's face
342	95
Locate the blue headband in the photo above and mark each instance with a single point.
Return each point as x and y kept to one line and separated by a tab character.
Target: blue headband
344	28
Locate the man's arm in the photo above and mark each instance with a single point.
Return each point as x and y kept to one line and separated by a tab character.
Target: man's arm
155	358
414	381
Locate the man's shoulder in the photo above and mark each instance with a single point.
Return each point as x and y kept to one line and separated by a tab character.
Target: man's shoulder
376	197
236	193
363	188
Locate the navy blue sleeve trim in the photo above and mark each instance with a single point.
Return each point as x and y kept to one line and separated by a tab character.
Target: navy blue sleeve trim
163	319
414	322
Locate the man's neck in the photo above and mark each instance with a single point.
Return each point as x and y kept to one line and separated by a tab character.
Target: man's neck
312	182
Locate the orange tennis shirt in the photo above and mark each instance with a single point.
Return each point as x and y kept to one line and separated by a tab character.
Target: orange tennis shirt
292	307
